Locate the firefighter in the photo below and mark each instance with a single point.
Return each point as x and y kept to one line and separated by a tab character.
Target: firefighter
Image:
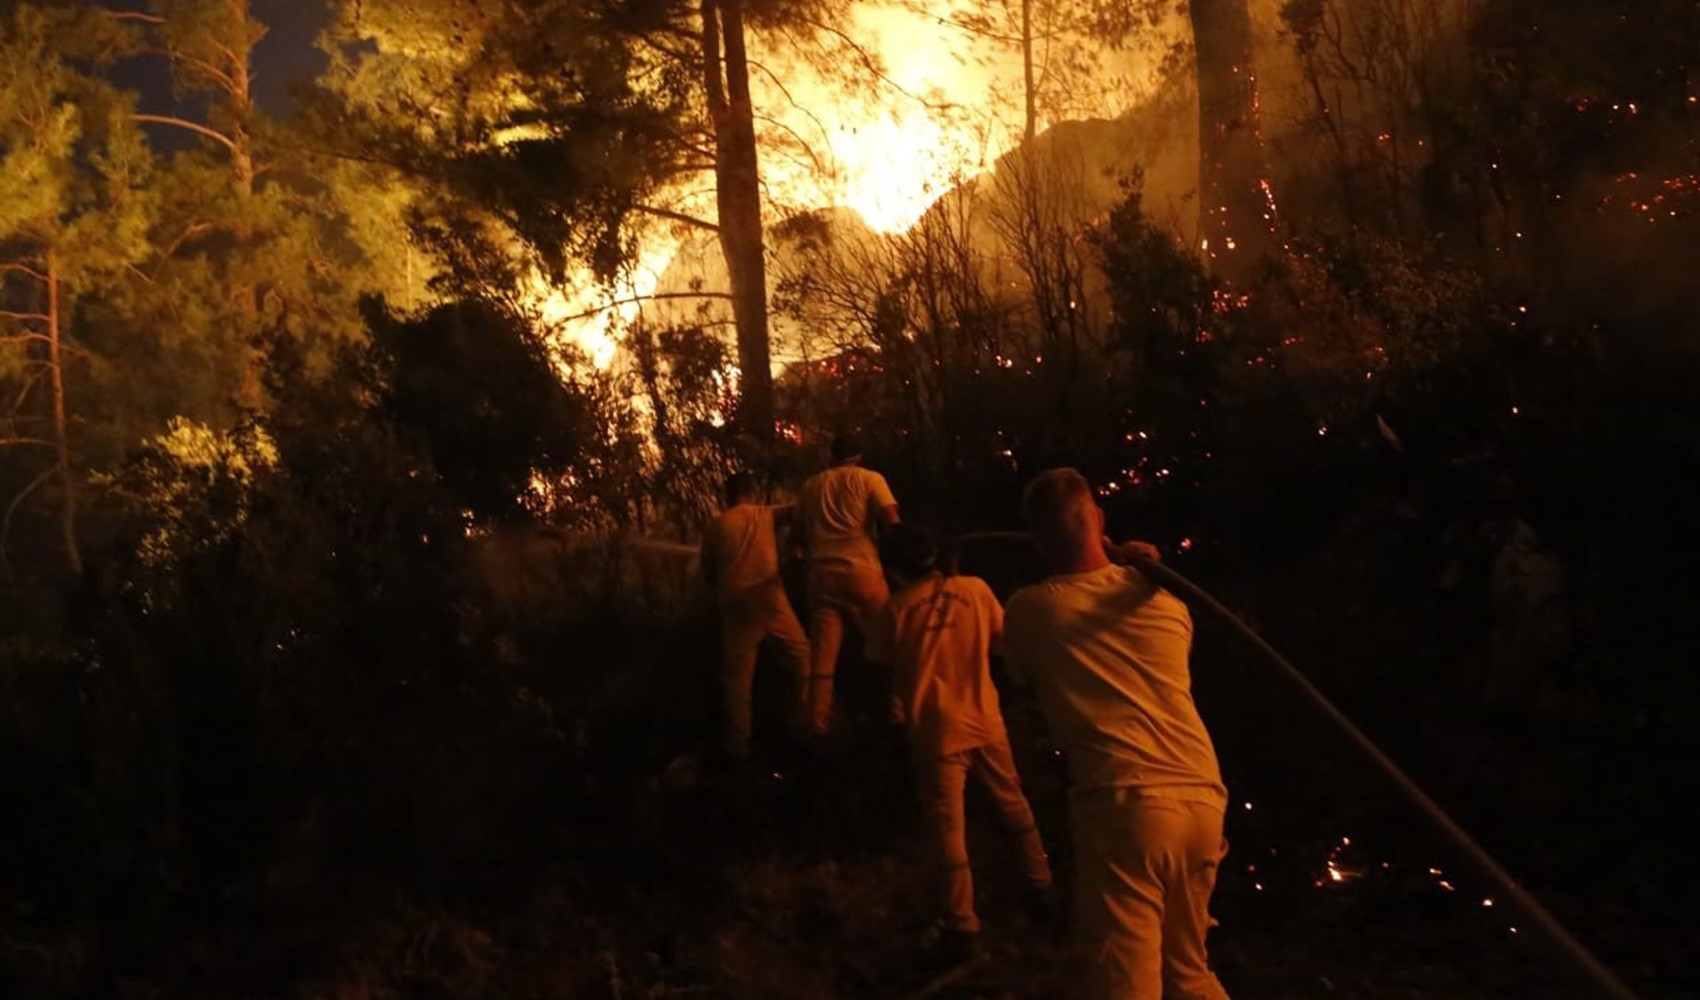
937	634
740	559
1107	651
838	511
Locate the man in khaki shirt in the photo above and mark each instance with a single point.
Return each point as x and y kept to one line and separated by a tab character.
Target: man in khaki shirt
937	634
837	513
1107	651
740	558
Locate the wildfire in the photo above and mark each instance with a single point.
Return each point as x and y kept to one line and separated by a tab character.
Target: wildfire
590	317
886	130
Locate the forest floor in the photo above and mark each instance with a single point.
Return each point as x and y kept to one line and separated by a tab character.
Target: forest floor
802	877
652	870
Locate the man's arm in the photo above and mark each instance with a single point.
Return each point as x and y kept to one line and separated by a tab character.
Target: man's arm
882	504
880	647
710	566
1008	643
1132	553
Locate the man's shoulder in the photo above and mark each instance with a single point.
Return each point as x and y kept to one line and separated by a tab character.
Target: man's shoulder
1030	599
972	586
1164	602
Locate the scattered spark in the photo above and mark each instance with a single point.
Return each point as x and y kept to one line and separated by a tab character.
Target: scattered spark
1488	901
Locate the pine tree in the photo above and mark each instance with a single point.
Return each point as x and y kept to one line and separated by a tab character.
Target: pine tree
575	128
253	233
74	220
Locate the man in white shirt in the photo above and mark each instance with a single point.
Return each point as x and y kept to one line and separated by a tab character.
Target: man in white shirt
1107	651
937	634
740	558
837	513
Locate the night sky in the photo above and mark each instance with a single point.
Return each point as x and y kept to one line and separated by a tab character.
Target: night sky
285	58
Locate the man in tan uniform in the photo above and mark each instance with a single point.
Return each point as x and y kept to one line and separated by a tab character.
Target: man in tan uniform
937	633
837	512
740	558
1107	651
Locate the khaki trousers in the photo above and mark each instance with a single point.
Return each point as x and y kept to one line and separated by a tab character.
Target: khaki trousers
838	591
746	620
942	781
1146	868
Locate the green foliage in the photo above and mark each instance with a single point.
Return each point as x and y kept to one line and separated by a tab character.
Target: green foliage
76	168
551	118
473	384
190	489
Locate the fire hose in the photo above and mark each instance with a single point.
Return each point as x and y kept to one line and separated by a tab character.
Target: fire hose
1585	961
1561	939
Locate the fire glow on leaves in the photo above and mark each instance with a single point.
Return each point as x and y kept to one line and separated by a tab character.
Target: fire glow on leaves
932	106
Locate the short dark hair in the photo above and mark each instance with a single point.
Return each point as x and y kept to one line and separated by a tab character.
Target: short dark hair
740	485
1053	504
909	550
845	447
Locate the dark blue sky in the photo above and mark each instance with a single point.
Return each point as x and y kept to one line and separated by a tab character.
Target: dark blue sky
284	58
286	55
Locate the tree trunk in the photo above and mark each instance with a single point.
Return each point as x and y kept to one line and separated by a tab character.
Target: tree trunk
738	198
61	443
246	292
1032	124
1237	202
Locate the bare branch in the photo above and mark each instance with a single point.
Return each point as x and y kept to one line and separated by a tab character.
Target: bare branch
869	62
793	102
12	508
25	390
134	15
640	299
667	213
804	143
22	269
213	134
7	442
23	317
225	81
